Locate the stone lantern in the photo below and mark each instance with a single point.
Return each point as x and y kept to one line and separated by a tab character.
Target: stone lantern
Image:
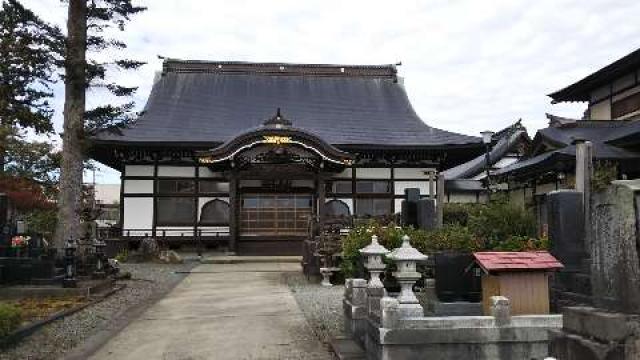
374	253
99	272
406	257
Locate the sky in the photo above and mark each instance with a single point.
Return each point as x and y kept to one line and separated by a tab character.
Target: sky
468	66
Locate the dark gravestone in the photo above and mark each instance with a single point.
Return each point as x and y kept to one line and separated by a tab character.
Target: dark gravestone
426	214
454	280
409	207
566	228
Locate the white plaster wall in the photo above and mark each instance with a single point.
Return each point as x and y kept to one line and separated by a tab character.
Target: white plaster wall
107	193
204	200
601	111
205	172
410	173
177	171
347	201
138	186
399	186
397	205
138	214
138	170
346	174
373	173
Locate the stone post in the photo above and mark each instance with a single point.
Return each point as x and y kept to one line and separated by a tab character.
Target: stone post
390	312
406	258
584	173
501	310
355	308
440	200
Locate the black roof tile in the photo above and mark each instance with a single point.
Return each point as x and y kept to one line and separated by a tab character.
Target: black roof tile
211	102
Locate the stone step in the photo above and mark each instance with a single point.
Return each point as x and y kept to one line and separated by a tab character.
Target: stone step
347	349
233	259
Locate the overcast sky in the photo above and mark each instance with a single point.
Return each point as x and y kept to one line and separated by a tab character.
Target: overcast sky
468	65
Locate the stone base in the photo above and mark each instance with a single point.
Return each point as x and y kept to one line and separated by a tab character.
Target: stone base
594	334
410	310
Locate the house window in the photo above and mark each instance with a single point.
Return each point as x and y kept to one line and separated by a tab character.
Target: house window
339	187
209	187
625	106
373	207
215	212
175	211
373	187
176	186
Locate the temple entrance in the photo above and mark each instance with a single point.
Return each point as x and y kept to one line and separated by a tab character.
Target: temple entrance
275	214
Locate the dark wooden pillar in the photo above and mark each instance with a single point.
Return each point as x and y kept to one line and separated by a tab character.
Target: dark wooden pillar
234	211
321	193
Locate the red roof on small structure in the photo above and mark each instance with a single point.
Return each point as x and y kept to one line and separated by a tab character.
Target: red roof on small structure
516	261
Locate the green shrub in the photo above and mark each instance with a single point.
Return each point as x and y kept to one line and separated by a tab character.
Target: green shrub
499	221
458	214
10	318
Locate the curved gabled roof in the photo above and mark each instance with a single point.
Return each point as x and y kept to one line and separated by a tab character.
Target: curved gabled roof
212	102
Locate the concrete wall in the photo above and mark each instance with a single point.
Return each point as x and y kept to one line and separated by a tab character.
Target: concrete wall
384	332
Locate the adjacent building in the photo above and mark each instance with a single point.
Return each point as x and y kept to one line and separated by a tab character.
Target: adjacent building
247	153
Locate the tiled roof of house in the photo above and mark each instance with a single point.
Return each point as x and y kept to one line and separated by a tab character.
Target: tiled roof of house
516	261
580	90
212	102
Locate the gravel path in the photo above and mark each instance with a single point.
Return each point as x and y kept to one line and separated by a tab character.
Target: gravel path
322	306
55	339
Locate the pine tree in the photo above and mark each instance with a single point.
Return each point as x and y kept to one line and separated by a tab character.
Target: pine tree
87	22
30	50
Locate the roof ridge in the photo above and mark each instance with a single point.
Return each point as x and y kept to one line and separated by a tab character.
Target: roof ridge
278	68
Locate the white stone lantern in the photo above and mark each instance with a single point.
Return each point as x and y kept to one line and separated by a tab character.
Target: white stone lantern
374	253
406	257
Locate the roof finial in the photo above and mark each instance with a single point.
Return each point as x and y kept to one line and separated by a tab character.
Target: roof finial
278	120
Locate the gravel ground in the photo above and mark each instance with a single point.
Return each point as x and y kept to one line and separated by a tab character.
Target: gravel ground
322	306
55	339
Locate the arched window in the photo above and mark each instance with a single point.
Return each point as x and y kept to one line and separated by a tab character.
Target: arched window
336	208
215	212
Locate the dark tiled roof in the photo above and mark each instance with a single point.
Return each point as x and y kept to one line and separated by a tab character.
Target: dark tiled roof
508	139
581	90
211	102
516	261
604	136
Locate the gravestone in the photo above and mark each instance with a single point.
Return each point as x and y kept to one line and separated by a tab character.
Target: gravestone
615	265
566	227
409	211
426	213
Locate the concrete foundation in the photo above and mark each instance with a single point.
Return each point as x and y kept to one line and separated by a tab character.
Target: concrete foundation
393	336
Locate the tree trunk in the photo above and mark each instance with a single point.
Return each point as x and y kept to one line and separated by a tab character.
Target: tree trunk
73	138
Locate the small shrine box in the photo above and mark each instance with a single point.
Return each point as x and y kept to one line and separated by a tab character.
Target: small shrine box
523	277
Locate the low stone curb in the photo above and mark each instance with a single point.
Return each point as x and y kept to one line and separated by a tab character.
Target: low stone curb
30	328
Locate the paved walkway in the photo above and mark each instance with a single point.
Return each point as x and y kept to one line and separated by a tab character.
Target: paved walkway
230	311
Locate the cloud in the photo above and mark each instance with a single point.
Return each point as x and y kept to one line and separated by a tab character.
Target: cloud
468	65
